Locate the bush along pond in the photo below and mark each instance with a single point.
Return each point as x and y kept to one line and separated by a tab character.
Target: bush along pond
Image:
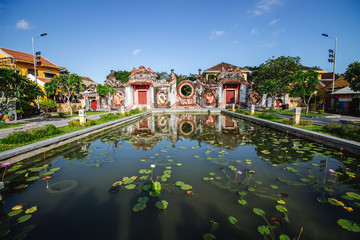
188	176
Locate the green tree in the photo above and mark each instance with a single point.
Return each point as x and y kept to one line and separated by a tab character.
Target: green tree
162	76
66	85
15	87
122	76
270	77
47	104
304	84
352	75
105	91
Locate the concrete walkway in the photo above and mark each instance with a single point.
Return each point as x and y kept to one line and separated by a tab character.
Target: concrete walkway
341	119
39	121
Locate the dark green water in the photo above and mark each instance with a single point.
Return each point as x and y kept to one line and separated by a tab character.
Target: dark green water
286	177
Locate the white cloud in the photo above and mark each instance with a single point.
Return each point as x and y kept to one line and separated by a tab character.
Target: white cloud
216	34
274	21
265	6
136	51
22	24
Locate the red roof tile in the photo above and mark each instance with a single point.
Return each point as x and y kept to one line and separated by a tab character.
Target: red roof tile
45	80
26	57
88	79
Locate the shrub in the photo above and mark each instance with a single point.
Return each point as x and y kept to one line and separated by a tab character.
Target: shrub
332	127
109	116
288	121
61	114
305	123
47	104
31	134
241	111
350	131
134	111
321	111
269	116
76	123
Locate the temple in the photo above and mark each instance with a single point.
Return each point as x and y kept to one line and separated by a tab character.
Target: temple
221	86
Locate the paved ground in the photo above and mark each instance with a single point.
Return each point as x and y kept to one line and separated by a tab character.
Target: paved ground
39	121
342	119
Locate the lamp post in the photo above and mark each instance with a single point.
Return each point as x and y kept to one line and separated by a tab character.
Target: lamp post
334	56
33	47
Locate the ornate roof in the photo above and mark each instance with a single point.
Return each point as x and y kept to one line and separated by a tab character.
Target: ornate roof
219	67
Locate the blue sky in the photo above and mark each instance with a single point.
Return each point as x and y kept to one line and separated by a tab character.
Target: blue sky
92	37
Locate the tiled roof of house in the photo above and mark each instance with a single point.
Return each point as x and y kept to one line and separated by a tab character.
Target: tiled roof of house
26	57
88	81
338	84
44	80
218	67
328	76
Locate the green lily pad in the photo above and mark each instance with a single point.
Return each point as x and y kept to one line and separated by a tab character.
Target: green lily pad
179	183
155	193
209	236
143	177
284	237
31	210
212	174
242	202
48	173
281	208
232	220
242	193
24	218
251	189
259	211
161	204
206	178
196	156
353	195
54	169
218	178
38	169
258	182
335	202
349	225
186	187
263	230
143	200
32	178
21	171
20	236
273	186
139	207
15	212
147	187
130	186
29	228
128	180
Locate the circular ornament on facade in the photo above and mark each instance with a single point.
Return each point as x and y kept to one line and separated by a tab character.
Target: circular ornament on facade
186	89
209	97
162	98
186	128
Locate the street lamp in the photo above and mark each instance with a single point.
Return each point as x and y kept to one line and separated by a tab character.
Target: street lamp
334	60
33	46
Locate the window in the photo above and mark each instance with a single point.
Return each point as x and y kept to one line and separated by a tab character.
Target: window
31	71
49	75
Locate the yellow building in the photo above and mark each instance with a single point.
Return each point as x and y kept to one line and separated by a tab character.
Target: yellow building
212	73
23	63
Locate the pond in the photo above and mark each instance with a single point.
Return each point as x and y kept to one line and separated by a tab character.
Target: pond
214	178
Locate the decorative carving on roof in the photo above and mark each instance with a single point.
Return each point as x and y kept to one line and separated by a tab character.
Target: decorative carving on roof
142	74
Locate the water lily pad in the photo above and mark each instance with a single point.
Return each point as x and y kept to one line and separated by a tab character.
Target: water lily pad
281	208
161	204
15	212
242	202
32	178
273	186
21	171
24	218
263	230
20	236
349	225
143	200
38	169
143	177
212	174
250	189
259	211
31	210
196	156
155	193
284	237
281	201
232	220
48	173
242	193
335	202
258	182
179	183
218	178
186	187
147	187
209	236
139	207
353	195
128	180
130	186
206	178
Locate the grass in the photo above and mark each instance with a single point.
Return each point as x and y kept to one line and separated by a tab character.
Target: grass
64	130
10	125
290	112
